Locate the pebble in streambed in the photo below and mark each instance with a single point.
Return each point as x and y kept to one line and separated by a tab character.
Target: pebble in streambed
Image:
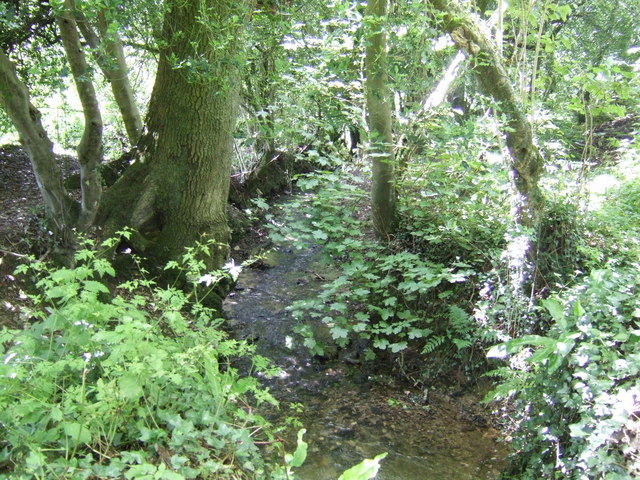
347	416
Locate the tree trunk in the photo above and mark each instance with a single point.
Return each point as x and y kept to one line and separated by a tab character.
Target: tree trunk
14	98
527	162
90	147
379	118
109	54
177	192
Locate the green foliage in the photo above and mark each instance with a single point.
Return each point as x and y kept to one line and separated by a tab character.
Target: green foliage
613	230
573	393
454	196
391	298
560	237
130	381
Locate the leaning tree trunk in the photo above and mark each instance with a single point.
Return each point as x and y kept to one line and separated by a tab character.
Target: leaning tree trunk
177	192
14	98
527	162
109	54
90	147
379	117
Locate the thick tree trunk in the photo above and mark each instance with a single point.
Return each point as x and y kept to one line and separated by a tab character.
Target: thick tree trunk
14	98
527	162
379	118
109	54
177	192
90	147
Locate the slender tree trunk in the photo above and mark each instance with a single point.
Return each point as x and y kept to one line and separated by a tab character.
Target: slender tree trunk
527	162
14	98
379	118
177	192
90	147
109	54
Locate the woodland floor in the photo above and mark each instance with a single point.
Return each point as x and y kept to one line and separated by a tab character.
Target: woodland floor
20	203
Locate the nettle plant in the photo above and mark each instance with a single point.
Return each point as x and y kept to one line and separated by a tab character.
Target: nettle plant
133	381
574	393
390	297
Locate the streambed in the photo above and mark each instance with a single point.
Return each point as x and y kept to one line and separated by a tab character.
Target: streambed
350	415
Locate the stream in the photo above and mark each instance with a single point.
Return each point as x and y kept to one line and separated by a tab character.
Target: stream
348	414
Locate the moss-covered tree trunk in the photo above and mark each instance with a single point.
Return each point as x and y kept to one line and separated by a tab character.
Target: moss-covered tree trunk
177	192
527	162
379	118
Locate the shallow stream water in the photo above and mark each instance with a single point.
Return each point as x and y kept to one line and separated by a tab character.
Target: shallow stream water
349	415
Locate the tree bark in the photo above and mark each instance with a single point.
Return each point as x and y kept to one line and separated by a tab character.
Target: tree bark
14	98
109	54
90	148
527	162
176	194
379	118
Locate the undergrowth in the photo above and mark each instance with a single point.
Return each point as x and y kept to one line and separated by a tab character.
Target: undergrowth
570	396
129	381
400	302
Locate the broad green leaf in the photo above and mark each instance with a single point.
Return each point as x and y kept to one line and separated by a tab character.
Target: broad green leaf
63	275
130	387
365	470
320	235
35	460
339	332
165	474
77	433
56	414
95	287
556	310
564	11
300	455
381	343
144	471
396	347
103	266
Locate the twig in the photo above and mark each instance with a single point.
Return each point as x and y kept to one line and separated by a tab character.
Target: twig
9	252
